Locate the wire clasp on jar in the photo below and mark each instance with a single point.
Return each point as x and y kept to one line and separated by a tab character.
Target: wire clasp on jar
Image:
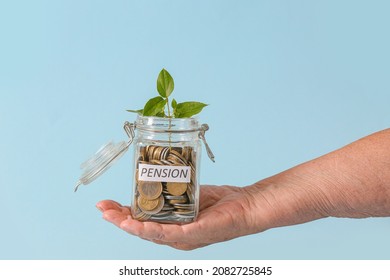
203	128
130	127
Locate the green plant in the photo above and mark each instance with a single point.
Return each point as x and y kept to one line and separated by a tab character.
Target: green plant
160	106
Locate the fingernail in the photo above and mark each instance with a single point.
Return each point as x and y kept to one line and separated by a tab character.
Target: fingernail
99	207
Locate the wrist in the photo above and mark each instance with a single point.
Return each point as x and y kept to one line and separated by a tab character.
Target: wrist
286	199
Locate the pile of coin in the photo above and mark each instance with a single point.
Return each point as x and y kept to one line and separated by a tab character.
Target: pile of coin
165	201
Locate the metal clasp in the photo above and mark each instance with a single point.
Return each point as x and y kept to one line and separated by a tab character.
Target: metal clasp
129	128
202	132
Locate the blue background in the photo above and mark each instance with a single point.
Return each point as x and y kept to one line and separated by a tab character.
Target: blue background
286	81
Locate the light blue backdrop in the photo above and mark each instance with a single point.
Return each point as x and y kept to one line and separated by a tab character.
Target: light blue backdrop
286	81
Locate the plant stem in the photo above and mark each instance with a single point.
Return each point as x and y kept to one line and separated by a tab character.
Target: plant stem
169	110
170	124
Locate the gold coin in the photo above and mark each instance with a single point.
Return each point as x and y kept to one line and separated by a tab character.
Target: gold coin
175	201
167	162
175	160
147	204
164	153
179	158
142	152
176	188
184	206
150	190
136	176
192	167
177	149
139	215
150	151
143	217
156	153
156	161
186	153
157	209
145	152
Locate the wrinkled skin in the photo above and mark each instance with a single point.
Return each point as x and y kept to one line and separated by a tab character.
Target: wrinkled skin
352	182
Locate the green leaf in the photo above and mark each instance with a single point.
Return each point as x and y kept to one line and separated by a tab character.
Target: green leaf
188	109
140	111
159	106
154	106
174	103
165	83
161	114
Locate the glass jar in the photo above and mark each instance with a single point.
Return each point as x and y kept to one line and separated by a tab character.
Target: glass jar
166	167
166	170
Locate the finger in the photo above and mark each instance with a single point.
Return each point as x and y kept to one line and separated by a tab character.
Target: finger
205	199
107	205
151	230
145	230
178	245
121	217
166	233
187	247
116	216
182	237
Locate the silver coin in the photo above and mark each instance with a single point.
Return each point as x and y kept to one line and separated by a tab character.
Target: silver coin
180	197
162	214
185	218
184	212
167	208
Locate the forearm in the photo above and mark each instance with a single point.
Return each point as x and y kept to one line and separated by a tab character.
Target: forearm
353	181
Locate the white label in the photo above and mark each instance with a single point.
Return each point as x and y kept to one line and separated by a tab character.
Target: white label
164	173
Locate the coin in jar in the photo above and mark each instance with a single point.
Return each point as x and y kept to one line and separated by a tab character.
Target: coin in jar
141	216
175	201
150	151
156	162
150	190
136	176
167	207
157	209
184	212
186	153
177	156
157	152
147	204
185	206
164	153
175	197
176	188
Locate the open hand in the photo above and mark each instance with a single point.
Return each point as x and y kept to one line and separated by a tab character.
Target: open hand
223	214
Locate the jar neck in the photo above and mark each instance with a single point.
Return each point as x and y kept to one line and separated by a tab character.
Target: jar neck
168	129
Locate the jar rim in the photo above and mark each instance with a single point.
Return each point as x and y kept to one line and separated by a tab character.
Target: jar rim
159	124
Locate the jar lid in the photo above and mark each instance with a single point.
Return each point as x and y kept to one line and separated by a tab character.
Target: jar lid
106	156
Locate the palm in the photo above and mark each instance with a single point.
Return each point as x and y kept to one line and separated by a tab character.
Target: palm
221	217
